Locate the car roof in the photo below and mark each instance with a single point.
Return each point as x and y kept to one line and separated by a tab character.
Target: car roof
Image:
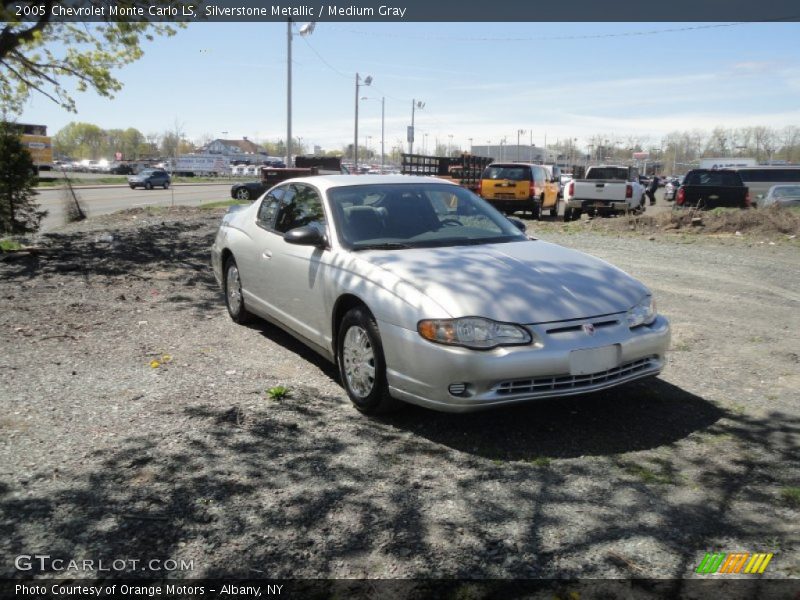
325	182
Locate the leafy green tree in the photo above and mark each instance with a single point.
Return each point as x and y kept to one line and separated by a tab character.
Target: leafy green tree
41	56
18	210
80	140
131	143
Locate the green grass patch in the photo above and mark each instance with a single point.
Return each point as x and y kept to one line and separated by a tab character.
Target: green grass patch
9	245
648	475
791	496
539	461
222	204
278	392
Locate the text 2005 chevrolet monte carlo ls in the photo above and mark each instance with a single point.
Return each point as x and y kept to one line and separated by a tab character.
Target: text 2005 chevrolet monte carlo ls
422	292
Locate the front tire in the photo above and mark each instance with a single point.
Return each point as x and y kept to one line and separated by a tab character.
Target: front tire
148	186
362	366
243	194
234	300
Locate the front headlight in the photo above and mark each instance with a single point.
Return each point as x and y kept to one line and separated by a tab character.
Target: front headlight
473	332
643	313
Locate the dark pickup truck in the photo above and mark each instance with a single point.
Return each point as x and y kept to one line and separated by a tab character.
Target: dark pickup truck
705	189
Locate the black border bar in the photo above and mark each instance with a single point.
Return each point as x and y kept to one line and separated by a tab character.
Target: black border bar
400	11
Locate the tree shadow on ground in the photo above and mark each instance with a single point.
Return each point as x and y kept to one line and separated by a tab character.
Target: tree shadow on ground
635	416
173	253
306	487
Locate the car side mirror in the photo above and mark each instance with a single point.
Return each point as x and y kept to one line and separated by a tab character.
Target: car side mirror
306	235
517	223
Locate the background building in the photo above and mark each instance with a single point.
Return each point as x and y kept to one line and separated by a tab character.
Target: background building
512	152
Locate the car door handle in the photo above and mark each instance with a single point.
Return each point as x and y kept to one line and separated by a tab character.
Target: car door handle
266	255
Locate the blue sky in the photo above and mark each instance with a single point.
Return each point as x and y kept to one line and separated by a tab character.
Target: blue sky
478	80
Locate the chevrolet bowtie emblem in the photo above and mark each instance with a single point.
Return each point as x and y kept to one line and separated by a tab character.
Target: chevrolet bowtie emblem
589	328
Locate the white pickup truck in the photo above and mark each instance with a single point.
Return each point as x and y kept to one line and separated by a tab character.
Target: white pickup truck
606	189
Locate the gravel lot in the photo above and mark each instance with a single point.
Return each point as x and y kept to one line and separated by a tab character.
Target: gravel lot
105	454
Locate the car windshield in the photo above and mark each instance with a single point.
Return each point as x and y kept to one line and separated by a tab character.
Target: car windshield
786	191
146	172
416	215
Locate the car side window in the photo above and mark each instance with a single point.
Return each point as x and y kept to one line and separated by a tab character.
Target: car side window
269	208
303	207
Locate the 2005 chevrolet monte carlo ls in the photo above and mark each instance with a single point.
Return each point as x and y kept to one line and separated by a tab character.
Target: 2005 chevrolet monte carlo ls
421	292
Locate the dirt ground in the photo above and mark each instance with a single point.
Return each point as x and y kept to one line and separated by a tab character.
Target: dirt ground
135	423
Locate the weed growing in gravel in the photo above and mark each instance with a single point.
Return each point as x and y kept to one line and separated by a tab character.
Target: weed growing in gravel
648	475
791	496
9	245
278	392
539	461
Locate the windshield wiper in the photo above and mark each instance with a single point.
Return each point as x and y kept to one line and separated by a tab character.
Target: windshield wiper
381	246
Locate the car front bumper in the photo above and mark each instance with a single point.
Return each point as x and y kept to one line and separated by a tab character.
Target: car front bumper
424	373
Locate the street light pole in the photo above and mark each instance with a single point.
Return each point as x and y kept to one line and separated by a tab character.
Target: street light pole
306	29
519	132
367	81
289	93
530	150
383	128
414	105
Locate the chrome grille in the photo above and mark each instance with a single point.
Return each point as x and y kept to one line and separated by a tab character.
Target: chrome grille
579	327
573	382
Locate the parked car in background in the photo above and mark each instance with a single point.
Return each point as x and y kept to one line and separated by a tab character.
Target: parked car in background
760	179
512	187
250	190
781	195
150	178
712	188
121	169
605	190
419	291
671	188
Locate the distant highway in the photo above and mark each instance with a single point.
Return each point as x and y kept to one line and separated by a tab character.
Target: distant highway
102	200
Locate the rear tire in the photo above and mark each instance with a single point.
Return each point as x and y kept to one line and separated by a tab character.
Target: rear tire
234	299
535	209
361	363
243	194
166	185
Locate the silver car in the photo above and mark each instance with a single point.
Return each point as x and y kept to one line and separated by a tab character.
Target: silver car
781	195
419	291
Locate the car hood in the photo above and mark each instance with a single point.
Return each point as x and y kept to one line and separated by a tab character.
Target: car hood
520	282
